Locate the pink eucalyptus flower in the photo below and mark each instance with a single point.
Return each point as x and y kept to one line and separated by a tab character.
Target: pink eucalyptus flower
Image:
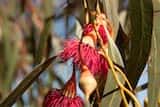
65	97
87	55
104	66
55	98
82	54
103	34
88	28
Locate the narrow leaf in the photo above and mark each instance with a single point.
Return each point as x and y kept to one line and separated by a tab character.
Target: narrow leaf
140	17
43	42
112	100
28	80
78	29
114	52
154	68
154	74
111	10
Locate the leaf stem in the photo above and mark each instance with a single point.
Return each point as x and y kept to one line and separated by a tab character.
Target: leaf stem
124	77
122	88
124	98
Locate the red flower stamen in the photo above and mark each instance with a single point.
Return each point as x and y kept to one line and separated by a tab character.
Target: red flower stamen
89	31
88	28
69	89
65	97
104	66
54	98
86	55
103	34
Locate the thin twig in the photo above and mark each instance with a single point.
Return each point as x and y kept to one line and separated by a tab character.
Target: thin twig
120	84
139	88
98	6
98	97
124	77
111	92
85	4
122	88
145	102
159	102
124	97
142	87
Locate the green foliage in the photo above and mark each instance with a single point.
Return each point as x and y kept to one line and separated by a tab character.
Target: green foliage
34	32
154	68
135	52
112	100
24	85
140	16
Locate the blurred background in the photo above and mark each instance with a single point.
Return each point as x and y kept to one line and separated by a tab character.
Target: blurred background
33	30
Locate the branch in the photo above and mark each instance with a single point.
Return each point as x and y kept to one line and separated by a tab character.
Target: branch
139	88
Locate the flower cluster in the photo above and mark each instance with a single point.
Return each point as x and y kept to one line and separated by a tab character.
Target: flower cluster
88	57
83	53
65	97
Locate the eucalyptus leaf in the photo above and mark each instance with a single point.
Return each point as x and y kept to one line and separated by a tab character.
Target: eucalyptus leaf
26	82
140	21
154	74
140	16
112	100
115	56
114	53
43	42
111	10
154	68
10	52
78	29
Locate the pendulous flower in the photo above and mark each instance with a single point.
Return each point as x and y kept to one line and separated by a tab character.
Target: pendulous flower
88	58
65	97
103	34
103	25
84	53
55	98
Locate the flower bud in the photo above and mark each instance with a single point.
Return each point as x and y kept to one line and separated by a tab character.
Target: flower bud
87	82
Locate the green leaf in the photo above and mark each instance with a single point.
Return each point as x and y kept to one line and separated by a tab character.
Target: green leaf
40	55
111	10
140	16
112	100
114	53
47	8
26	82
154	68
78	29
10	52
